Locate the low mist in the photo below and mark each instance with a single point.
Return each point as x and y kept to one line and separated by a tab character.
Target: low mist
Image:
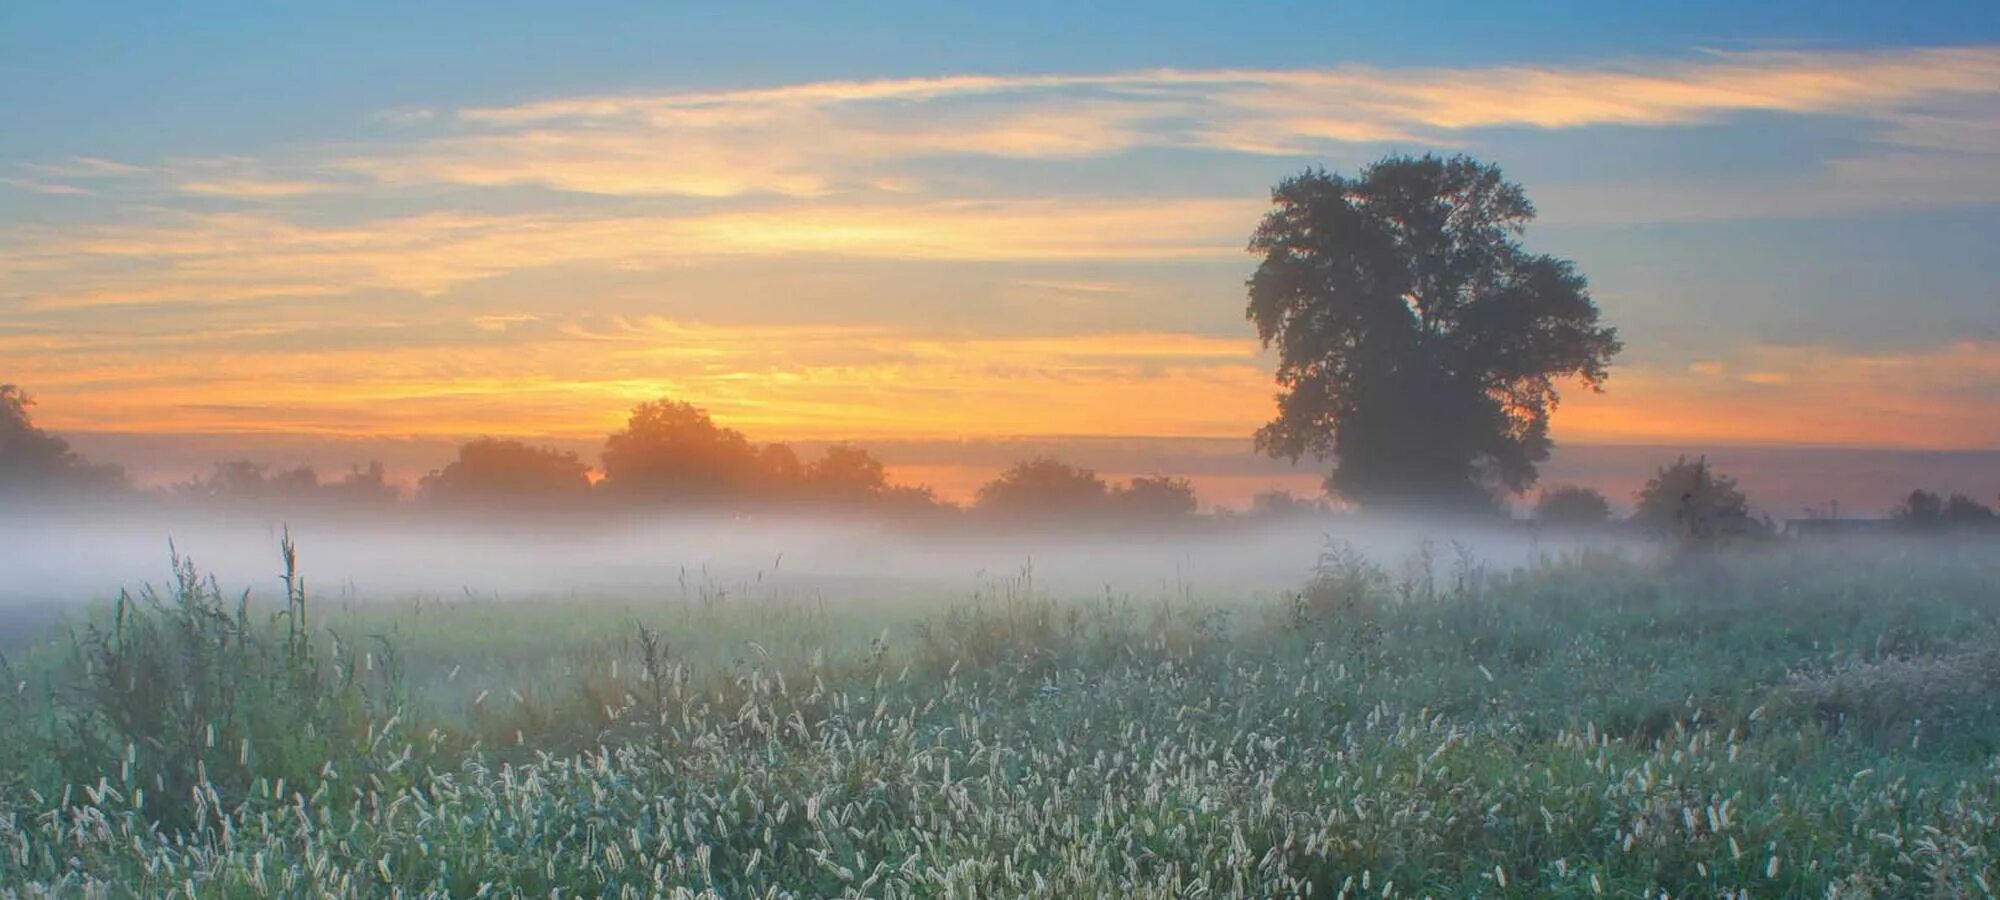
73	557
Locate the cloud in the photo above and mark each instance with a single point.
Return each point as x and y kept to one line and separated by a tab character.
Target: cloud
815	138
1074	286
577	379
253	188
85	167
215	257
54	188
1940	397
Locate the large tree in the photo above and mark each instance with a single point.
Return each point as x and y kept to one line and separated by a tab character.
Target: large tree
673	450
496	472
1419	345
1043	488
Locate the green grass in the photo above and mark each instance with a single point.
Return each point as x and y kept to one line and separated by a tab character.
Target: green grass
1796	722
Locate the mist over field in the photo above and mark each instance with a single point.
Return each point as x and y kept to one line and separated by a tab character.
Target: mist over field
68	558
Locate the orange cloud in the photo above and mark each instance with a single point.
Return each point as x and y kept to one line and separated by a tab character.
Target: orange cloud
815	138
1938	398
580	379
236	256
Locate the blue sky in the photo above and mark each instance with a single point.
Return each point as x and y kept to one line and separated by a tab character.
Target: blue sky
932	221
82	78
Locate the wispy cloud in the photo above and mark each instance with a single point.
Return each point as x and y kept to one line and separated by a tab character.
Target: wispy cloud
254	188
55	188
810	139
1945	396
233	256
577	378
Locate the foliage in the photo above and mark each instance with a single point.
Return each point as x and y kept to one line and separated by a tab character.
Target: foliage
495	471
33	460
1570	504
1419	346
1283	504
363	486
1043	487
845	473
1925	511
671	449
674	452
1154	498
246	483
1693	504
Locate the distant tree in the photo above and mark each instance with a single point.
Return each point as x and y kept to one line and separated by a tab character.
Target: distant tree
1419	346
33	460
1154	498
1921	509
1964	512
913	501
780	472
1570	504
240	481
846	473
1043	487
504	472
361	486
1691	502
1925	511
1283	504
673	450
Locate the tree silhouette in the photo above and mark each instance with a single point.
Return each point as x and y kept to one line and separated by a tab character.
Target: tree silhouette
1154	498
1419	345
361	486
1692	503
916	501
782	474
669	449
502	472
1964	512
35	461
1921	509
240	481
1043	487
1925	511
846	473
1283	504
1570	504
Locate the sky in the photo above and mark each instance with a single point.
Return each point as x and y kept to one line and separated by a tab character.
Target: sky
329	230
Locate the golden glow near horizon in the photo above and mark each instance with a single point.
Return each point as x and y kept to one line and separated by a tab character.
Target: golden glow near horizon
796	259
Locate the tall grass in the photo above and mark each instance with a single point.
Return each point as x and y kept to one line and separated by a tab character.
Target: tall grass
1794	723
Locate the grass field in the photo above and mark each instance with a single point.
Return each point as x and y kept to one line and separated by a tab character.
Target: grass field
1795	721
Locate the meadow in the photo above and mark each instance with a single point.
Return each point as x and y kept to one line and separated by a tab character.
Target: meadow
1793	720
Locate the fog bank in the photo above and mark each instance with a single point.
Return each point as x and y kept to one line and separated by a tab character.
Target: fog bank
69	558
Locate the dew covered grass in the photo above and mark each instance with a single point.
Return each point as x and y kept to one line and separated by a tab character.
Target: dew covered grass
1804	721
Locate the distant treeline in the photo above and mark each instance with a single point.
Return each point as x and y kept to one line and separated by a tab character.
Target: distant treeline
672	455
669	455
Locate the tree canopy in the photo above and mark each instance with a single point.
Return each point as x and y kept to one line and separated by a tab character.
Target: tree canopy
494	471
1569	504
673	449
33	460
1043	486
1693	502
1419	345
1923	510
